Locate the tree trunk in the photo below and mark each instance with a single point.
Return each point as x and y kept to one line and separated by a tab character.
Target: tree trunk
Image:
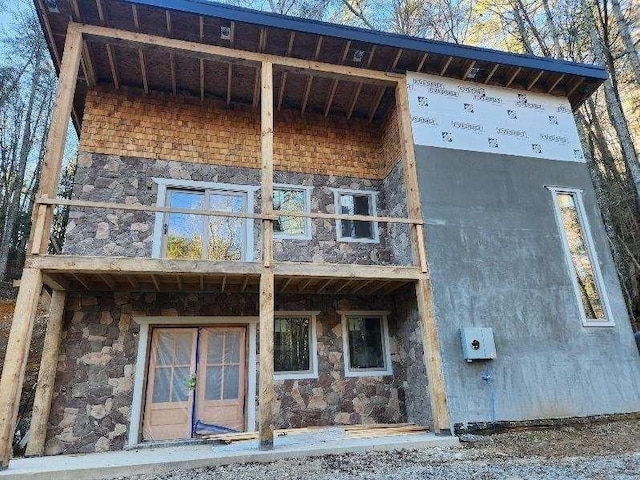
613	104
624	31
25	148
552	29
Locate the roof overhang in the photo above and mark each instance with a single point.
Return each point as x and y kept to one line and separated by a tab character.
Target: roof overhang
203	21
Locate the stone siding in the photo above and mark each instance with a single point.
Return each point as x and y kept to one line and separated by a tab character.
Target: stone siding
108	178
93	391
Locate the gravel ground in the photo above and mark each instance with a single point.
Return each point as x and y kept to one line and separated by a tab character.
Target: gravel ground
596	451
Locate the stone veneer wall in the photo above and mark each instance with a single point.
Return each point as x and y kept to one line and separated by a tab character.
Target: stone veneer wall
109	178
92	396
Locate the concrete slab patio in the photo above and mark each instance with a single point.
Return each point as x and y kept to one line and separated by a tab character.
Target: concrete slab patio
162	459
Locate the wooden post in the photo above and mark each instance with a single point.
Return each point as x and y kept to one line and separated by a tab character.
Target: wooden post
56	139
15	360
267	398
266	152
267	392
46	376
431	343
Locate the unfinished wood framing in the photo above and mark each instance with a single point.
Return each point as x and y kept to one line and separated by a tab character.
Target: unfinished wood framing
267	396
56	138
46	376
431	344
15	360
266	155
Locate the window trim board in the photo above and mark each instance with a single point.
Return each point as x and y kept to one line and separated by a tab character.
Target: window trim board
312	373
591	252
386	344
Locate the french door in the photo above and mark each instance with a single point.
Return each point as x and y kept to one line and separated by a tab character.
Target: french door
194	375
198	237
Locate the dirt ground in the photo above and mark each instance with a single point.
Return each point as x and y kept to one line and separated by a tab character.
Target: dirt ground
609	450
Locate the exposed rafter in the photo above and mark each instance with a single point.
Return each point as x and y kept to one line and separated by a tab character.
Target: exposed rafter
513	76
555	84
307	88
334	84
262	42
283	81
445	65
143	66
535	80
422	61
492	72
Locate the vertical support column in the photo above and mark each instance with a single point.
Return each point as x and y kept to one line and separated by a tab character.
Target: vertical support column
56	139
431	343
267	392
15	360
46	376
266	152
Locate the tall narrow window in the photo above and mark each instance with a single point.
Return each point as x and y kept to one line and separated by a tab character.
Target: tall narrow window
292	199
581	257
356	202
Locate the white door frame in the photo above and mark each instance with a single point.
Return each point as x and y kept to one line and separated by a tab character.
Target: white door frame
142	359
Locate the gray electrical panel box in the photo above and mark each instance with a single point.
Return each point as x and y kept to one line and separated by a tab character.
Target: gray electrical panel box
477	344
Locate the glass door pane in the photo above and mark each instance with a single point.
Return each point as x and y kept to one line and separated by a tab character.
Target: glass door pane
184	232
226	235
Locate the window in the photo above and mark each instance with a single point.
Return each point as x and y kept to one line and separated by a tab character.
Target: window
292	199
581	258
356	202
295	345
365	340
184	236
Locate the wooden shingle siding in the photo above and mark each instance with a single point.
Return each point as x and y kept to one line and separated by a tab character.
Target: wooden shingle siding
179	128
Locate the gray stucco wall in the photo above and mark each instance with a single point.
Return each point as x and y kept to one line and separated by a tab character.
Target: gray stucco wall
496	260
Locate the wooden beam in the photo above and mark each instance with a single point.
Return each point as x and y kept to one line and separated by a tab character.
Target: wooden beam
57	136
361	286
256	82
468	69
143	66
513	76
376	103
344	285
332	270
15	360
167	14
202	79
304	285
179	280
106	279
575	86
46	376
156	283
224	284
111	57
230	68
201	283
283	82
307	88
555	84
445	66
492	72
78	279
134	283
216	53
535	80
139	266
422	62
396	60
87	64
325	285
266	156
431	345
356	92
267	397
379	286
245	283
334	84
286	284
172	67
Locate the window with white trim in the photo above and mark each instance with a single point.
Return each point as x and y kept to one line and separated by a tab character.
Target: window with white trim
292	198
295	345
356	202
185	236
365	340
581	258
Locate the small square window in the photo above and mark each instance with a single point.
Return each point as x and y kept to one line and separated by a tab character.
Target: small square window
366	344
291	199
294	346
354	202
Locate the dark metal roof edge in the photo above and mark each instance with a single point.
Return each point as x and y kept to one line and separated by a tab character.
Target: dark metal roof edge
245	15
